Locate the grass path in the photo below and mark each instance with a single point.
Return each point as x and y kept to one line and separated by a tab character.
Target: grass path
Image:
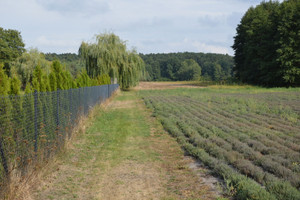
124	154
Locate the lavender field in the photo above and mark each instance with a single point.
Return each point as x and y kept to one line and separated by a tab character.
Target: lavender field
248	136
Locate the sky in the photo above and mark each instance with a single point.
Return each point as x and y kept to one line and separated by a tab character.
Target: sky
149	26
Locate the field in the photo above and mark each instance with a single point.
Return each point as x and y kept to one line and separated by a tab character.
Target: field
121	152
248	136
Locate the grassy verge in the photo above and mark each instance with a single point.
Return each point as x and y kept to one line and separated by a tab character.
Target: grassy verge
123	154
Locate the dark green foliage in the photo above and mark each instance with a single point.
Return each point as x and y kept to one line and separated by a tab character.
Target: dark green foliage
83	79
4	81
72	61
63	58
26	64
28	88
218	72
189	70
267	45
11	47
15	85
52	81
59	77
289	42
103	79
57	70
39	80
166	66
6	138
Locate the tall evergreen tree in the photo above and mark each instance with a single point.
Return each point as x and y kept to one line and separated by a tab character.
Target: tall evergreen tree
4	81
15	85
57	71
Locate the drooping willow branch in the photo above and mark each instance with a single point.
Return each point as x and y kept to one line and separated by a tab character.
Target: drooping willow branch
109	55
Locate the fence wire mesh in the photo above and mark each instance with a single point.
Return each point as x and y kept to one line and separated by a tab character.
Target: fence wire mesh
35	126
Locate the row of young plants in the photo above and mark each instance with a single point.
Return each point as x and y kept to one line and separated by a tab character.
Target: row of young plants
249	153
236	140
271	137
237	145
277	129
236	123
58	79
259	112
269	165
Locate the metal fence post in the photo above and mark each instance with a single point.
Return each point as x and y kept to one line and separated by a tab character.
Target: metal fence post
57	108
79	102
108	91
83	100
35	94
3	158
70	106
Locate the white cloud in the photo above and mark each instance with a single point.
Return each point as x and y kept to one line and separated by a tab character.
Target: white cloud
44	41
197	46
74	7
149	25
203	47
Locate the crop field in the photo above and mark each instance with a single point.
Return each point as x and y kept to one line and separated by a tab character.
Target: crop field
248	136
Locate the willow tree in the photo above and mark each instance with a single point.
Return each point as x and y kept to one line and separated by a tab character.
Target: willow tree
109	55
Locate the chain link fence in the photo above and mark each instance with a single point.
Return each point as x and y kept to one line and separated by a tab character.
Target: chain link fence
35	126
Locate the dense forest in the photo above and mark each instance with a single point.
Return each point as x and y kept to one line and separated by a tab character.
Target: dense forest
188	66
267	44
171	66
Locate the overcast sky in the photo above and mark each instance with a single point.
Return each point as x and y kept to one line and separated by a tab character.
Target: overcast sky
151	26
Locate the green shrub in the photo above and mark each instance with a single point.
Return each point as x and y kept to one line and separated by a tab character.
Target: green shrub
283	190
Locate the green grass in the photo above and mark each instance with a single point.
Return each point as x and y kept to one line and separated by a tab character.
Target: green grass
122	152
115	136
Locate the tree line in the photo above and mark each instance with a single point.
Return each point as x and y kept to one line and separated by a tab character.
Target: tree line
29	70
188	66
172	66
267	44
72	61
